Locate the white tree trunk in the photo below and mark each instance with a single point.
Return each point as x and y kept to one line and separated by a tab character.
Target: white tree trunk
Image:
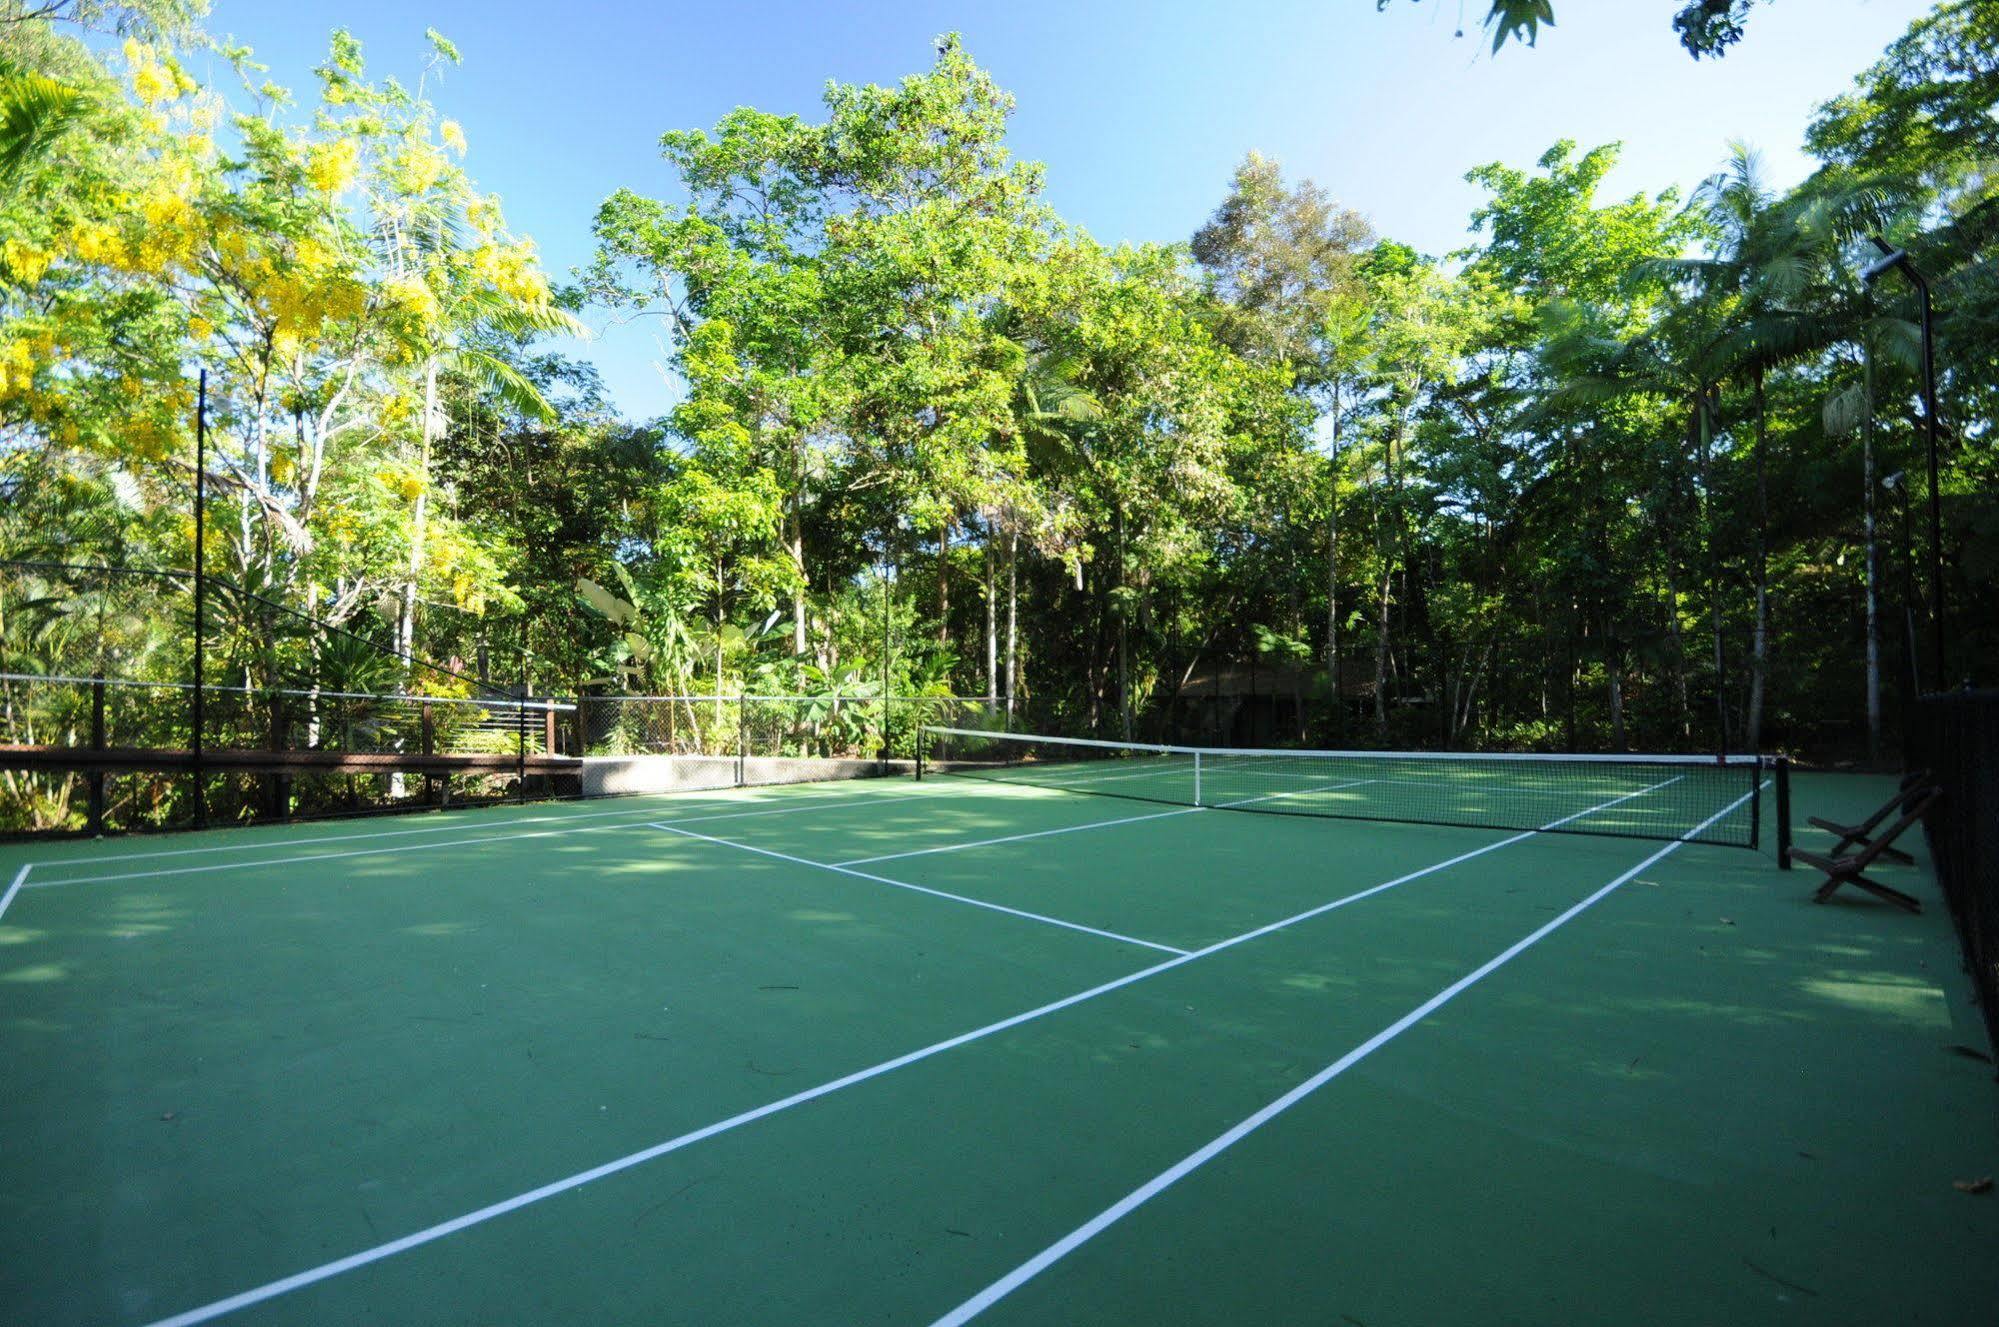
1873	563
992	623
1012	618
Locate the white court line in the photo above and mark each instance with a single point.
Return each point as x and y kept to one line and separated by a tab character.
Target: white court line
1094	824
1016	838
818	804
707	798
20	878
925	889
416	1239
1193	1161
1156	772
1293	792
457	821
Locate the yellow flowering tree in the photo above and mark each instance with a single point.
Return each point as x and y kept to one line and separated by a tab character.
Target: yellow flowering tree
337	272
453	289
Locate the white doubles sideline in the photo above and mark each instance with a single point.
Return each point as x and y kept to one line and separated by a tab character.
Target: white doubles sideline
1193	1161
1010	838
629	819
457	821
935	893
1094	824
20	878
429	1234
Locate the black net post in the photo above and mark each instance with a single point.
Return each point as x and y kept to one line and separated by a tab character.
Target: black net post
1783	778
1756	805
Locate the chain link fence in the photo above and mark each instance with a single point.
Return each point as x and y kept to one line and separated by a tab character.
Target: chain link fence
1954	742
72	751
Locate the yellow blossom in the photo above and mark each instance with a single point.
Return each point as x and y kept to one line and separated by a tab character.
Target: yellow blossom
453	136
17	367
95	242
332	166
484	215
412	296
418	169
200	328
404	482
24	261
153	83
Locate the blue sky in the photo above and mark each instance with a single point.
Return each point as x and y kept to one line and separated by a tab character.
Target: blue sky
1140	108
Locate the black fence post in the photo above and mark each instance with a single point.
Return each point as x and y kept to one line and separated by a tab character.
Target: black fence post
742	741
277	789
97	744
427	745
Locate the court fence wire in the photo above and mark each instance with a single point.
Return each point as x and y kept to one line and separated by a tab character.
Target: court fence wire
1954	741
1703	799
106	755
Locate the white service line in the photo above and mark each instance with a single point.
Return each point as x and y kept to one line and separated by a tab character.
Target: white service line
1292	792
20	878
925	889
1193	1161
1016	838
1053	781
416	1239
817	804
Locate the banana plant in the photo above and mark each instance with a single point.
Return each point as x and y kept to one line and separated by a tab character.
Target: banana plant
828	712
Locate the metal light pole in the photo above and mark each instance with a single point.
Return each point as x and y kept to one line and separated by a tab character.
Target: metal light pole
200	592
888	647
1897	484
1893	259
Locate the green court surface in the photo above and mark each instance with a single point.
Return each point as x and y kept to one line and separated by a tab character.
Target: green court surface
898	1052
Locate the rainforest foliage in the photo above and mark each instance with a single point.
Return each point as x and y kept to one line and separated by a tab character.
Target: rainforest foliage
1623	472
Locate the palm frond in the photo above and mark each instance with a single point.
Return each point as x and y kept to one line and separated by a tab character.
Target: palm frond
505	381
34	112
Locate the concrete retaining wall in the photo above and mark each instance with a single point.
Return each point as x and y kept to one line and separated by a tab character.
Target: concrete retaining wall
608	776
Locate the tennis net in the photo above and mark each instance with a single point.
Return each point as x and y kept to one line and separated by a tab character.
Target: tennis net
1704	799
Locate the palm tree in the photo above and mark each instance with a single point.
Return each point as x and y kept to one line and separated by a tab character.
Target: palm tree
1766	281
1054	413
1684	358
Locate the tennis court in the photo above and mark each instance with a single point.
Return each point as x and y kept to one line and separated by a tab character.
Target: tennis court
900	1051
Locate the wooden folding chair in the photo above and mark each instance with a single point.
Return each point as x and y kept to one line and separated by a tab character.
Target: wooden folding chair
1862	833
1851	869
